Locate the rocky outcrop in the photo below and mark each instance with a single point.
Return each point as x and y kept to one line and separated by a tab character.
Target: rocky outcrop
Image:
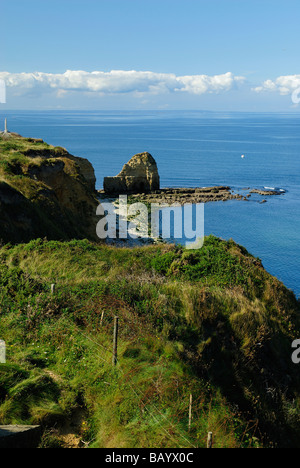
139	175
85	167
181	196
45	192
268	192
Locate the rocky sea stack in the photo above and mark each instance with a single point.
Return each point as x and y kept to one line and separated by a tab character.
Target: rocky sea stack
139	175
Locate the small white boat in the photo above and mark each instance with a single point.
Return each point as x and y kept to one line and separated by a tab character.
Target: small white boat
242	156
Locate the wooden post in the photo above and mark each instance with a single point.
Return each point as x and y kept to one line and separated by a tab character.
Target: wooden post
102	316
210	440
52	288
190	411
2	352
115	348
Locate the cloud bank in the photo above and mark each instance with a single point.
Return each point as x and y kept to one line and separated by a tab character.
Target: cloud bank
284	85
118	82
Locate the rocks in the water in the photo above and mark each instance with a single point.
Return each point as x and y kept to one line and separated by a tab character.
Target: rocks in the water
181	196
267	192
139	175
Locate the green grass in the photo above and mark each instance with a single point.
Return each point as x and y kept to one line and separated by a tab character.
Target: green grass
211	323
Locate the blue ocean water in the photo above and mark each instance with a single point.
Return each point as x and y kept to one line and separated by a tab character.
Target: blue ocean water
199	149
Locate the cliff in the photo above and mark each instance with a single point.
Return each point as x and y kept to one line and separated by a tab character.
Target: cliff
44	192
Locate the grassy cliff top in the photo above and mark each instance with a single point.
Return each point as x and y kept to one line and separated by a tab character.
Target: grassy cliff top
211	323
44	192
15	142
24	151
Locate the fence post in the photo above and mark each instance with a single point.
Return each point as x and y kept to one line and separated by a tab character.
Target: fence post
115	348
102	316
190	411
2	352
210	440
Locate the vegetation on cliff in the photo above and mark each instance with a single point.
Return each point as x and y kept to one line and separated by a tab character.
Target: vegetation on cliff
44	192
211	323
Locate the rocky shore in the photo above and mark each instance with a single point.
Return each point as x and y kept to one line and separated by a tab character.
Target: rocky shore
182	196
140	181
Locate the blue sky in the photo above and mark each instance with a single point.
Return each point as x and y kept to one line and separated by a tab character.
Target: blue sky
199	54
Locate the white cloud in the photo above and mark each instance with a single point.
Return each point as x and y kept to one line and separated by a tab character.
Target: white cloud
118	82
2	92
284	85
201	84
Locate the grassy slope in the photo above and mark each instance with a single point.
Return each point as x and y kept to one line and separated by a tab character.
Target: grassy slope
212	323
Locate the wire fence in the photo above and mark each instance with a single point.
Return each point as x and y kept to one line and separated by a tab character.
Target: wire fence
174	427
140	395
174	433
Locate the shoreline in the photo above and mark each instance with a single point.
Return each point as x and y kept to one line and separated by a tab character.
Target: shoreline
177	197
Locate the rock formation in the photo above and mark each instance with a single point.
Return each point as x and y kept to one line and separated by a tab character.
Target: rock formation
139	175
45	192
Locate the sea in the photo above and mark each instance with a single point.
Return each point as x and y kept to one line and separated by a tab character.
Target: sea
199	149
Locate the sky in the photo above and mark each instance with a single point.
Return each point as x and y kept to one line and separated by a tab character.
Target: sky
216	55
